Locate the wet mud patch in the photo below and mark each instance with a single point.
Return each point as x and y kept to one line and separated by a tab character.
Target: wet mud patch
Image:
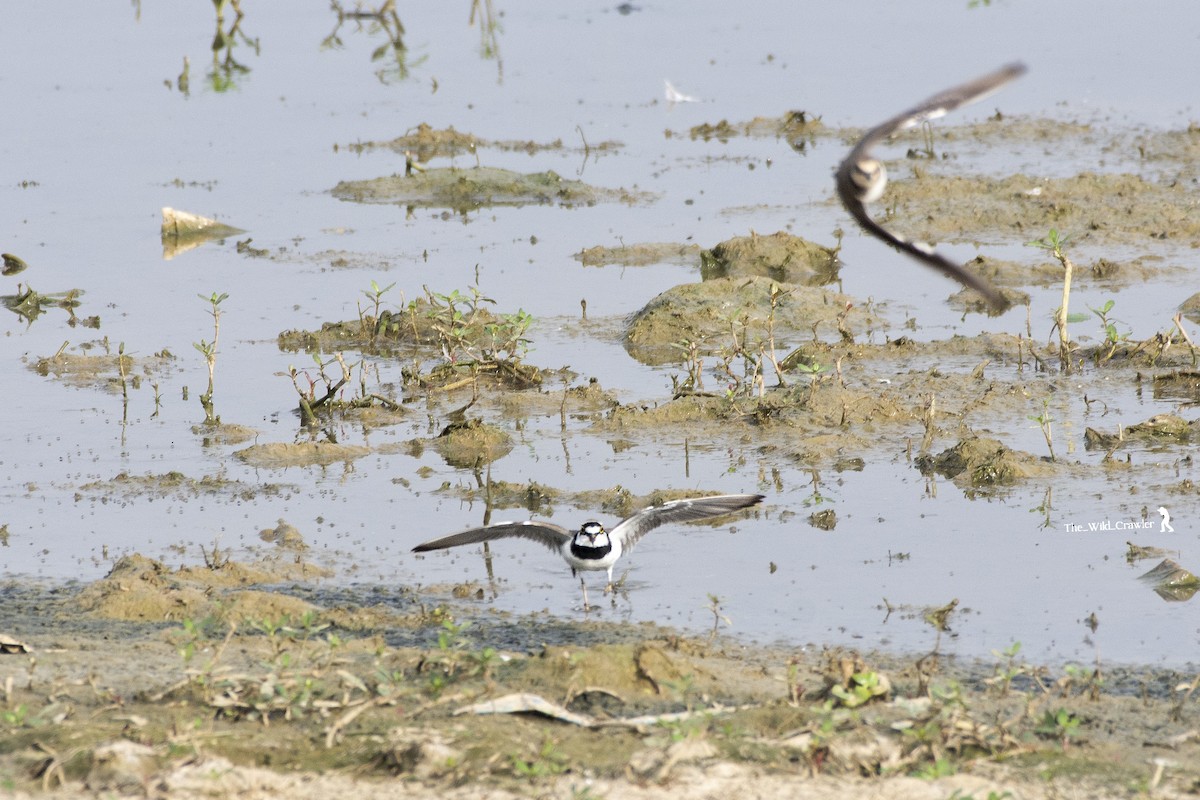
581	402
780	256
177	484
799	128
426	143
465	344
281	455
464	190
1101	209
639	255
1161	429
140	588
223	433
472	443
723	311
110	372
981	462
1107	271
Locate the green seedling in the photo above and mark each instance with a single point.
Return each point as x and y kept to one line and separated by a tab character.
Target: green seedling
1044	421
379	322
776	296
209	351
548	762
1004	673
1060	724
1054	243
693	378
864	686
714	606
813	371
1112	337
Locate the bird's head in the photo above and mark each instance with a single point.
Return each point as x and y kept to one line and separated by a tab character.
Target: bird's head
592	534
869	179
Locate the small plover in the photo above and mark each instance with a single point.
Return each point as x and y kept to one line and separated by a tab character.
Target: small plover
593	548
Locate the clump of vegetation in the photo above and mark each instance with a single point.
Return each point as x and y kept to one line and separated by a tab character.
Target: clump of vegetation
450	339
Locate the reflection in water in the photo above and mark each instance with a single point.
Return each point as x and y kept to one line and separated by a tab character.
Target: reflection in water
225	71
489	34
385	20
394	55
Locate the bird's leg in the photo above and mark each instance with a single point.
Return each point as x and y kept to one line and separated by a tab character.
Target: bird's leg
583	584
609	586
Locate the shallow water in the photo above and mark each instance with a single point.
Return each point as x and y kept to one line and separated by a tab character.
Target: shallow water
105	144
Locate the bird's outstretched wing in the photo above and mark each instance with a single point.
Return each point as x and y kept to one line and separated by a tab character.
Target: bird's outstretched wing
689	510
939	105
544	533
850	175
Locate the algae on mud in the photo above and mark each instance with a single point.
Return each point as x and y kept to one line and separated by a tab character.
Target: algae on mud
464	190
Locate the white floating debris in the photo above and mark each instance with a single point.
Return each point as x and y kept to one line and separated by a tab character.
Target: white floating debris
676	96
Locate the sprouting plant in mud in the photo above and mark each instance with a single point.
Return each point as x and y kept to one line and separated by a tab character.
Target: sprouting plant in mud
1005	672
547	762
1054	243
1112	337
714	606
863	687
475	342
776	294
209	351
693	376
381	323
1059	724
1088	681
454	659
1045	422
813	370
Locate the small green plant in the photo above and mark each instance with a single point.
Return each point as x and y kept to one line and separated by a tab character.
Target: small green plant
776	296
1060	724
958	794
508	340
864	686
1044	421
1112	337
209	351
693	377
1088	681
1004	673
1054	243
548	762
939	768
714	606
16	717
474	341
380	323
813	371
